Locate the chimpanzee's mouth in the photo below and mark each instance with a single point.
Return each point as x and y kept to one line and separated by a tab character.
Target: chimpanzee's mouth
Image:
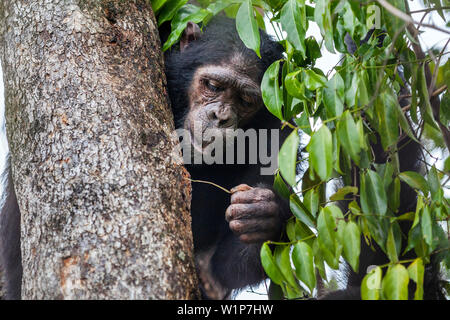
200	144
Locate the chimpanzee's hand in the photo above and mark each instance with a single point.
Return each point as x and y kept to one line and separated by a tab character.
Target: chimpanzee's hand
253	214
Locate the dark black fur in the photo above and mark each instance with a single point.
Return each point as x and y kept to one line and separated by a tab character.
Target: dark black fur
10	256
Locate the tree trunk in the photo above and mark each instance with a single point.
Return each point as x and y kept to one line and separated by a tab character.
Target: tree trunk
105	208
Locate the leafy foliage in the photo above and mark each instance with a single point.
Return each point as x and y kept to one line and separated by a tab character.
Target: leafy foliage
343	110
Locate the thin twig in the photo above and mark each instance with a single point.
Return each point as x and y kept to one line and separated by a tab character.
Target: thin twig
430	9
211	183
436	67
435	93
407	18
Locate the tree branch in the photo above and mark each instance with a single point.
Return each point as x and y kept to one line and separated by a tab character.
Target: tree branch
407	18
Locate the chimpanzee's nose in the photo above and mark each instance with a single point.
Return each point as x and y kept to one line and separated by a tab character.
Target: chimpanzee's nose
221	116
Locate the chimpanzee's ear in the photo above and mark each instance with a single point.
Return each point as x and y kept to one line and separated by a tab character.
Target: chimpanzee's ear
191	33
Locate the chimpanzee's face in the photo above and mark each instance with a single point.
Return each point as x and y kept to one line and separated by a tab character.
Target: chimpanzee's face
223	96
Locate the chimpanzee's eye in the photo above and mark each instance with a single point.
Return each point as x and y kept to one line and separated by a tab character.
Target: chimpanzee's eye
245	101
212	86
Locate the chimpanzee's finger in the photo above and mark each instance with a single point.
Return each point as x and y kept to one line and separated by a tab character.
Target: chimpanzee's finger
253	195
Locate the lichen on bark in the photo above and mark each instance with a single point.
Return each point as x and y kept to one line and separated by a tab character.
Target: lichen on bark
105	209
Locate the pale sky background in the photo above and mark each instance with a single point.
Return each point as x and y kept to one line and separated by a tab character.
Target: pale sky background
429	39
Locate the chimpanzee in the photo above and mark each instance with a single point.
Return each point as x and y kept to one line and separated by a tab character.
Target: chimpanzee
214	82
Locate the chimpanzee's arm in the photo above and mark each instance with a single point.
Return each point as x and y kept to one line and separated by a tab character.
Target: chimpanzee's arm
10	256
255	215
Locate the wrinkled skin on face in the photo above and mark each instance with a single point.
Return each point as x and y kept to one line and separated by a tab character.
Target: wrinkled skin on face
220	98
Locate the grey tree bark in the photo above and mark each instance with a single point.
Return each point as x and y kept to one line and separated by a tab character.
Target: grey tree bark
105	209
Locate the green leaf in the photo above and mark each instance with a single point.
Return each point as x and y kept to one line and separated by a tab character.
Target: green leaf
409	216
378	229
169	10
311	201
350	21
294	87
425	104
414	180
300	211
247	27
351	83
371	285
387	120
419	207
426	224
269	265
342	192
391	247
326	227
402	119
260	20
183	16
157	5
416	273
313	48
320	150
297	230
271	92
372	193
394	195
318	259
283	261
313	81
293	21
395	283
217	6
434	184
349	136
290	107
287	157
352	244
362	136
385	171
290	229
416	241
363	84
232	10
354	208
322	16
280	187
303	233
339	35
333	96
302	257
